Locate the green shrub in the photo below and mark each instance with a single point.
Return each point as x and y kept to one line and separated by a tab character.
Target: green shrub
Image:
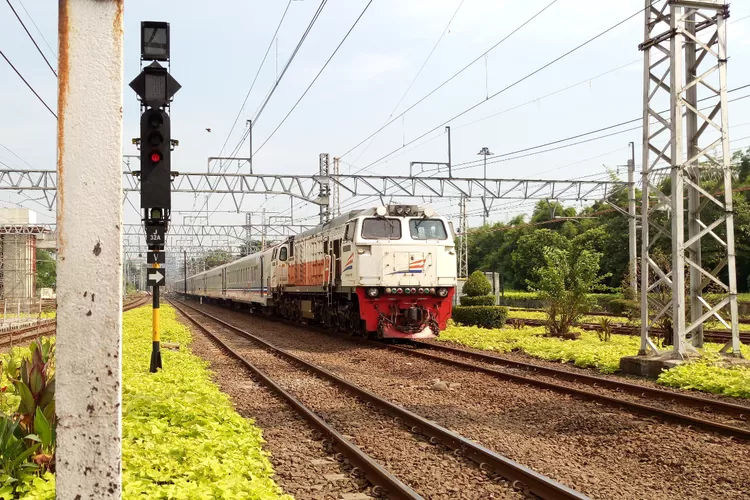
483	316
482	300
477	285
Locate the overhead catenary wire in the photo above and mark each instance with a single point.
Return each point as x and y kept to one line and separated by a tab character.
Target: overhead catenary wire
517	29
419	72
510	86
31	37
478	58
27	84
37	29
316	76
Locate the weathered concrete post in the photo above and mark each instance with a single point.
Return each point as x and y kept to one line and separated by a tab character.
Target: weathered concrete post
89	264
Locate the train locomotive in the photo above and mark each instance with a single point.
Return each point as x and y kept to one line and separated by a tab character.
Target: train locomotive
384	272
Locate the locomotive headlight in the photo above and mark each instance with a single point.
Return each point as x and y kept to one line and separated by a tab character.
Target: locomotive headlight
414	291
387	290
443	292
372	292
407	291
421	291
400	210
400	290
432	291
407	210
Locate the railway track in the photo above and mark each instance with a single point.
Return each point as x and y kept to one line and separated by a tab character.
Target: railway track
241	344
708	335
12	337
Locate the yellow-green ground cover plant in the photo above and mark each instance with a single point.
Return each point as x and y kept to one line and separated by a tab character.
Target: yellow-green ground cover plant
27	421
182	438
588	351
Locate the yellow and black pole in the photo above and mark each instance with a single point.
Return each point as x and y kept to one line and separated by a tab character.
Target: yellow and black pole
155	348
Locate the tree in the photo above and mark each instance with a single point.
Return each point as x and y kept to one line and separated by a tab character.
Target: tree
477	285
564	283
216	258
529	255
46	270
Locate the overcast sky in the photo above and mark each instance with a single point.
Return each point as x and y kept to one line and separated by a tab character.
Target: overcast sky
217	50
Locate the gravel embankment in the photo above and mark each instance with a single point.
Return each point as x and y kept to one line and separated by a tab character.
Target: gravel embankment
600	451
302	460
433	471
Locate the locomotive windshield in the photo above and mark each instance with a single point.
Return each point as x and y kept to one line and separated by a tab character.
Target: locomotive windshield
427	229
381	229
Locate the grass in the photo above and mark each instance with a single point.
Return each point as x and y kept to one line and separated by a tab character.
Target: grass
181	435
590	352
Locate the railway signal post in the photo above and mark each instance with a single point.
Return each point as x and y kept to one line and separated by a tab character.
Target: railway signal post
155	88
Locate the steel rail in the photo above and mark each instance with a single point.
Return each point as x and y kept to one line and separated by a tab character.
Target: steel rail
731	409
538	484
643	409
48	326
377	474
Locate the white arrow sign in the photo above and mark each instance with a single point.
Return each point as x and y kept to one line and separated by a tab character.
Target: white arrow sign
157	276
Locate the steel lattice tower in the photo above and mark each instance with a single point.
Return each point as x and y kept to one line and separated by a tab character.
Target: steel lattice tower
463	242
685	54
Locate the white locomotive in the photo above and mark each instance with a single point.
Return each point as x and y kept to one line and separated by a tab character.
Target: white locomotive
386	271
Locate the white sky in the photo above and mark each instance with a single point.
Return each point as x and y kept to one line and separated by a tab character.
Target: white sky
216	53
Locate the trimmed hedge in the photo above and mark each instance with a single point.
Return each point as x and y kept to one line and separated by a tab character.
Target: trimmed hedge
482	300
483	316
477	285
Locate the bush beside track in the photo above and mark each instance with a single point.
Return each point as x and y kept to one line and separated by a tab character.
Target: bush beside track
707	375
181	435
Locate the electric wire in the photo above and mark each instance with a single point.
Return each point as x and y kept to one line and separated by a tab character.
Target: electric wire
27	84
257	73
455	75
429	56
316	77
520	80
37	29
31	37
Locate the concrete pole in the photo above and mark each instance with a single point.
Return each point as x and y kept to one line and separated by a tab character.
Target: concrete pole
633	253
89	267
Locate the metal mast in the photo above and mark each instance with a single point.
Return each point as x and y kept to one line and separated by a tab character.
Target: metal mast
685	52
325	189
335	196
463	242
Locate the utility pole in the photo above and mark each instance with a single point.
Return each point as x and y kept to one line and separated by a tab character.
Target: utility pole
155	88
463	242
632	250
450	163
335	202
485	152
89	266
250	140
184	264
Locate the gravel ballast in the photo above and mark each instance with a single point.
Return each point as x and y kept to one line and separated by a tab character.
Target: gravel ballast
431	470
598	450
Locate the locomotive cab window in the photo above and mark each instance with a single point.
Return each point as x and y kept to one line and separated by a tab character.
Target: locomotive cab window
381	229
283	254
427	229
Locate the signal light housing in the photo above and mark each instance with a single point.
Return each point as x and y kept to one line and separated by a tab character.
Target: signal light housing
156	178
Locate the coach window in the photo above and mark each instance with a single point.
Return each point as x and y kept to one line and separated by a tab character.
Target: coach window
381	229
283	254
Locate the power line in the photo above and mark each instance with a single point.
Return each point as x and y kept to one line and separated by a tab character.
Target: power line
27	84
520	80
291	58
275	85
316	76
252	85
37	29
31	37
434	47
454	75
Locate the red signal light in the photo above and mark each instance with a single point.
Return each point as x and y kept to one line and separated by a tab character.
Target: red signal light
156	157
